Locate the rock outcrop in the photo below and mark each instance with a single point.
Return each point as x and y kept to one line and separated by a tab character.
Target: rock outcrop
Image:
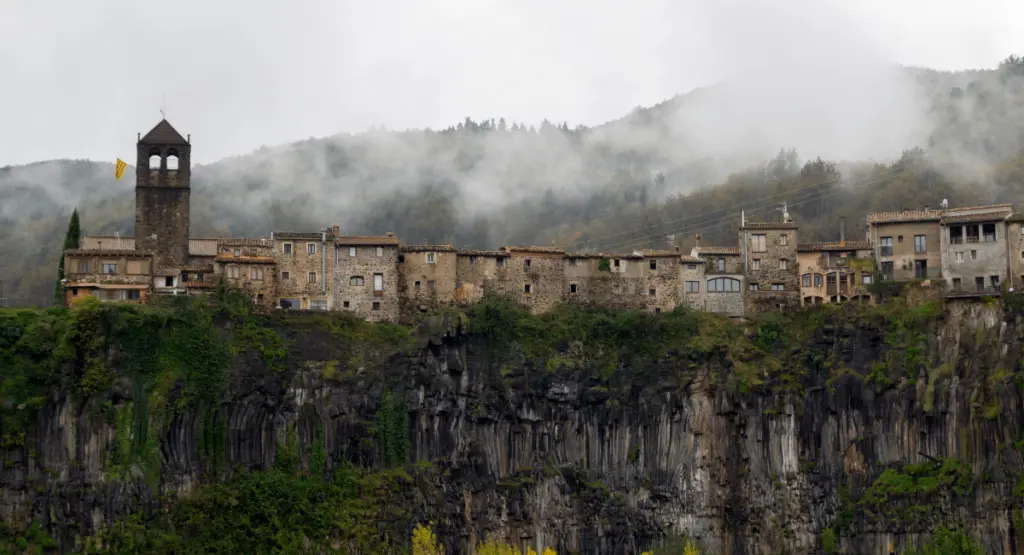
840	456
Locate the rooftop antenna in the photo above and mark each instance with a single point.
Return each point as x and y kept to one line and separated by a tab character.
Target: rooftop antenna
163	106
945	203
785	212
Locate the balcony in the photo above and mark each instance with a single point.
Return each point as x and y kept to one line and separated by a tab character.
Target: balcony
967	291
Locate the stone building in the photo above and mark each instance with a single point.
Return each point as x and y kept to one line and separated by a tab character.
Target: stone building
1015	240
366	276
108	274
303	269
724	279
162	191
478	273
613	281
769	259
906	244
835	272
974	244
663	287
691	282
427	276
250	264
533	276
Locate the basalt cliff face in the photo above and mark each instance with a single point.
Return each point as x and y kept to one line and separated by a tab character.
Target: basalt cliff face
860	439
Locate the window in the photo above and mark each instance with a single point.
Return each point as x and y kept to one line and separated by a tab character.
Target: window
654	264
430	286
232	272
753	286
887	270
960	256
286	248
819	280
311	277
430	258
693	287
573	288
526	263
500	262
109	268
256	273
979	283
286	275
885	246
783	264
974	255
1022	228
345	304
957	283
351	251
380	251
866	278
994	281
378	282
358	281
657	311
526	288
169	280
755	264
805	280
616	263
401	258
691	266
723	285
652	292
920	269
777	287
237	252
783	239
472	260
375	305
972	233
956	234
757	243
988	233
318	304
310	248
83	265
290	303
720	264
920	244
132	294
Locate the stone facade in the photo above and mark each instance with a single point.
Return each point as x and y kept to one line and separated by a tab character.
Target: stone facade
663	285
724	280
906	244
601	280
427	276
109	275
162	194
478	273
770	262
691	282
835	272
366	276
975	248
304	269
1015	243
533	276
249	264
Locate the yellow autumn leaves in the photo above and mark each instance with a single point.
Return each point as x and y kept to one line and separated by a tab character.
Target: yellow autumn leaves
424	542
689	549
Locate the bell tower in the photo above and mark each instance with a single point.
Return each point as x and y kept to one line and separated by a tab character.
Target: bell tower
162	188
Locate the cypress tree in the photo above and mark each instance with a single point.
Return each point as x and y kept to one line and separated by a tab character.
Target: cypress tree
70	242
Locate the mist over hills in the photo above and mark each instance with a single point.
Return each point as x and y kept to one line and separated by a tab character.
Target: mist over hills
839	141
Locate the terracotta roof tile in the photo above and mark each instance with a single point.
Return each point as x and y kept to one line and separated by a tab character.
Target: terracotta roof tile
769	225
470	252
108	252
428	248
533	249
202	247
905	216
227	258
94	242
371	240
833	246
167	271
238	242
310	235
977	217
708	249
654	253
163	134
691	259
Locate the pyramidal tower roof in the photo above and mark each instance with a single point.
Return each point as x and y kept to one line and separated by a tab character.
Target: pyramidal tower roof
163	134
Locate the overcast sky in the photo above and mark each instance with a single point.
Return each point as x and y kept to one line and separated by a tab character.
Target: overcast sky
80	79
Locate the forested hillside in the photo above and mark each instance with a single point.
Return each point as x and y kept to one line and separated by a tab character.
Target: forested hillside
626	184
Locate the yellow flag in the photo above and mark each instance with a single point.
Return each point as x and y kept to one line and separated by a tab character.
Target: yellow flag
119	168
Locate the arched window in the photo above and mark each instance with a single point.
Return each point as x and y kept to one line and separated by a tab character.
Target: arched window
154	160
172	160
723	285
356	280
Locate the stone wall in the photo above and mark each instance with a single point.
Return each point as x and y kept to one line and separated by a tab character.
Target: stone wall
777	263
593	280
427	276
251	265
301	275
663	283
1015	239
534	279
162	223
903	256
989	258
354	288
691	271
477	273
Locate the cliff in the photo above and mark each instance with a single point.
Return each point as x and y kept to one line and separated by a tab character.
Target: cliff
841	429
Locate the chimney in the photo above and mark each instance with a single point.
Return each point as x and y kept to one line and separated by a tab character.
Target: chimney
842	230
677	248
336	230
390	234
698	240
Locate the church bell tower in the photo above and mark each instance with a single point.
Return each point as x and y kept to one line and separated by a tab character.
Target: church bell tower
162	188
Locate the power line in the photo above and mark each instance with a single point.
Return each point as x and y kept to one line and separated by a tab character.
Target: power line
888	173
